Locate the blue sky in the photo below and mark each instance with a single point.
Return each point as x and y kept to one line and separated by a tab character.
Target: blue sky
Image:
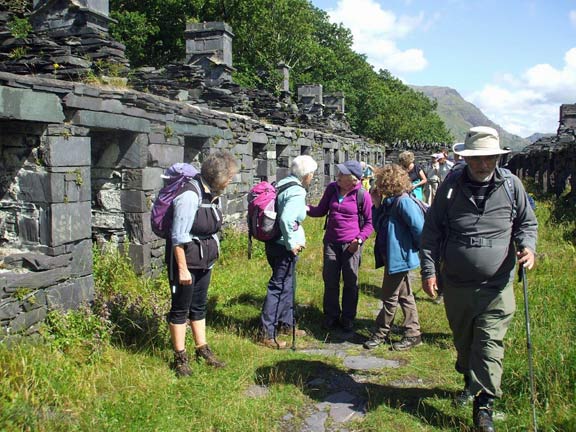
514	59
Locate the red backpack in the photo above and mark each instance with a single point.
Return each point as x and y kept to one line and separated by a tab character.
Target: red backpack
262	215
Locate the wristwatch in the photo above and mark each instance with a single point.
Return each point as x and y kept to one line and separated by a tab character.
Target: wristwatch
359	240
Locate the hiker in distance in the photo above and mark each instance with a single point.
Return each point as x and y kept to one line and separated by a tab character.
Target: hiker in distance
415	172
192	251
282	254
348	210
398	221
479	224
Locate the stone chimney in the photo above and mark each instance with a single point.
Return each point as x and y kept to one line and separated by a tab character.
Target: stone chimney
335	102
70	15
209	44
310	97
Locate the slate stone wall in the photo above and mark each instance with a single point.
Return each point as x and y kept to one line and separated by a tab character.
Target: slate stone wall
551	161
81	165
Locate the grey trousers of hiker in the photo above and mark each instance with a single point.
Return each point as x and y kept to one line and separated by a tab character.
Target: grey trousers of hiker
338	261
479	319
396	290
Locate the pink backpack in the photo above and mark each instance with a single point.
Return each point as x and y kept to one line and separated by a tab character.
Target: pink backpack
262	212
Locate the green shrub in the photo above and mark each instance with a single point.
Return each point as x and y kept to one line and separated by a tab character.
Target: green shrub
78	331
20	28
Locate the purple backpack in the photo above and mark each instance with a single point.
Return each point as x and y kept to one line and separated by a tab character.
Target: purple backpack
175	178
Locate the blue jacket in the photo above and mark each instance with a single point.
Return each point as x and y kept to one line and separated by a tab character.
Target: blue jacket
399	226
292	209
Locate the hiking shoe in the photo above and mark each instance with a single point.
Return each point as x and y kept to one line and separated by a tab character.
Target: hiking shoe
465	396
407	342
204	352
275	344
287	330
180	364
375	341
482	413
329	323
347	324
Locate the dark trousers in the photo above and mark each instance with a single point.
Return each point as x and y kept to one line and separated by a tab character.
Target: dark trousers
338	261
278	308
189	301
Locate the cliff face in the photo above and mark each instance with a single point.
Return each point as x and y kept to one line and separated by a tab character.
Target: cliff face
460	115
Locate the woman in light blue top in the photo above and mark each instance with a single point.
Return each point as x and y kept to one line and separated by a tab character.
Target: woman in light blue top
282	254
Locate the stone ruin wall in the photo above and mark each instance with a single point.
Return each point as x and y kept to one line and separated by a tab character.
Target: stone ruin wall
80	164
551	161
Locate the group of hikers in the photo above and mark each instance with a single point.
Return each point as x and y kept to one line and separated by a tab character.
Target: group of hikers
479	224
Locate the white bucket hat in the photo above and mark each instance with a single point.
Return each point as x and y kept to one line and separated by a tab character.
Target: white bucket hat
480	141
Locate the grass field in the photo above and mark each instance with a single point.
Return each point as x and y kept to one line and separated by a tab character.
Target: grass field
105	368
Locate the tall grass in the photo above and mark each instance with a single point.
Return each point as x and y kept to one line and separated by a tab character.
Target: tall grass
105	367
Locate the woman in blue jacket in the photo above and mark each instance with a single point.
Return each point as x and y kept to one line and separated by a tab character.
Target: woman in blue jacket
398	221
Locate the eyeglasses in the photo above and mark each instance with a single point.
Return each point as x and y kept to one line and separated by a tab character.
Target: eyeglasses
492	158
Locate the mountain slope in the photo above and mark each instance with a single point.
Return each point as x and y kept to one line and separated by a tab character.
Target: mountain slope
460	115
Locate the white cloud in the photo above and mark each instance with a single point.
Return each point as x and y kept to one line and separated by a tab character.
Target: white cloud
376	31
572	17
530	103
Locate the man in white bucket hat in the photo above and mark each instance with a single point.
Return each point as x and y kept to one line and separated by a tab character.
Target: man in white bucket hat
478	226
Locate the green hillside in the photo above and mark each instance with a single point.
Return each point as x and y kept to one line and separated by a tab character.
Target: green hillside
460	115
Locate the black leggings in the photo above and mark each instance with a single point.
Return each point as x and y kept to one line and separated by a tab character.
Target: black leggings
189	301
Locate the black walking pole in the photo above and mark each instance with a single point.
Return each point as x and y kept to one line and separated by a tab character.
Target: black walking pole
294	306
529	346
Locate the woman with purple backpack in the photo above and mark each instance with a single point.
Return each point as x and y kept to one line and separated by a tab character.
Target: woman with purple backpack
192	248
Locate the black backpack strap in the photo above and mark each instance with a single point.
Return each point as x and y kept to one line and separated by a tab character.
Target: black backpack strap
281	189
360	202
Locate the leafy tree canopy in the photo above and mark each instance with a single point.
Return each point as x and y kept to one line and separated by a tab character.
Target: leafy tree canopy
296	33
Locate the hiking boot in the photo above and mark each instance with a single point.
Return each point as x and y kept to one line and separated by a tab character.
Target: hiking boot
180	364
465	396
439	299
347	324
375	341
275	344
329	323
482	413
287	330
407	342
206	353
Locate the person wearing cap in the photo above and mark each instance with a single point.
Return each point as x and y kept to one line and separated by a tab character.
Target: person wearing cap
472	238
348	225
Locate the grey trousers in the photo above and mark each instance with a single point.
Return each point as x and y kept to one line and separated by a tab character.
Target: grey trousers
396	290
479	319
338	261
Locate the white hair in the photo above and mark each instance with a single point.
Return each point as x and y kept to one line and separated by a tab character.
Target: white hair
302	166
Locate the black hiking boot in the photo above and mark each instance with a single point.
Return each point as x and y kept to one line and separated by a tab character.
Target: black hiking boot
205	353
464	397
376	340
180	364
347	324
407	342
482	413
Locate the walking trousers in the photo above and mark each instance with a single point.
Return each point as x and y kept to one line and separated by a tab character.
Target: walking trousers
479	319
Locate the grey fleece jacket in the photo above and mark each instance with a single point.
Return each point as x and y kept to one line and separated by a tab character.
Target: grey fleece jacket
472	248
